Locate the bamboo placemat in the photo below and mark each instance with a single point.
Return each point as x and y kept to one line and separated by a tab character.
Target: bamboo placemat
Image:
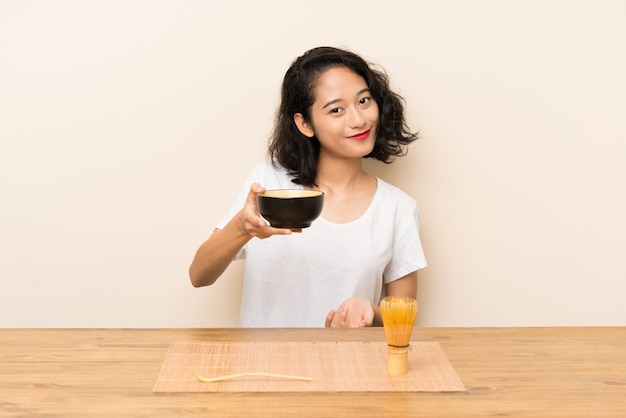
332	367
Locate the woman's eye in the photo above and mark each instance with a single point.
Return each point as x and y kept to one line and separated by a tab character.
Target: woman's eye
365	100
335	110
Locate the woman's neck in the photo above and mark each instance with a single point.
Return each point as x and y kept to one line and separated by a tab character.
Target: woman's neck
348	189
341	175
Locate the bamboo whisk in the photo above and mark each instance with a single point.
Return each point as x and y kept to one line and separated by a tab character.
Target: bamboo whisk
398	313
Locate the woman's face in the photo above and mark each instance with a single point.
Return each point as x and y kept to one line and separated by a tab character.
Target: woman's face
344	116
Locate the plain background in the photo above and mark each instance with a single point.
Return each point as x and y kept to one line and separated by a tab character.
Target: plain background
127	128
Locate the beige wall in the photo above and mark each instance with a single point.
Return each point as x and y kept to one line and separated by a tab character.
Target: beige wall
128	126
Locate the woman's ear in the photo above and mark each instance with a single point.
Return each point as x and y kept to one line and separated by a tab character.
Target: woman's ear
304	127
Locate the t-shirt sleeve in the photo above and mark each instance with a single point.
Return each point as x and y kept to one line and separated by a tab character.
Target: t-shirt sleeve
238	203
407	252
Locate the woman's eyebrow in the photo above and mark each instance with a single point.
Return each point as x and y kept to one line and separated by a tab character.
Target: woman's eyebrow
365	90
332	102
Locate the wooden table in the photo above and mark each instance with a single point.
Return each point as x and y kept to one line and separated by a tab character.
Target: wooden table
507	371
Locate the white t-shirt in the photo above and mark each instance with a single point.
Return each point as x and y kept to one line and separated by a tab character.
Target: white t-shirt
295	280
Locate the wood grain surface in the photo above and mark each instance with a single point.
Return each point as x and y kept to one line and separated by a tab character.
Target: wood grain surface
548	372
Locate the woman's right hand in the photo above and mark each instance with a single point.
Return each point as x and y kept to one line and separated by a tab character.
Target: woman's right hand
252	222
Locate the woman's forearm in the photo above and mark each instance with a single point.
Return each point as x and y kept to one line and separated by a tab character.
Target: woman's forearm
216	253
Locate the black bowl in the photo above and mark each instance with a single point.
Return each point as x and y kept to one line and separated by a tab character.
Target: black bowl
290	208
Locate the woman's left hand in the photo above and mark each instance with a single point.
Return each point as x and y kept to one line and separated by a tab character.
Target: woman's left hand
353	313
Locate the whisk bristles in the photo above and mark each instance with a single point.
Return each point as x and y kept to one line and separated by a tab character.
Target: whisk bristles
398	314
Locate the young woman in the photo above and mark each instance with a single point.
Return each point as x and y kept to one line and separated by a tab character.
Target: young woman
335	110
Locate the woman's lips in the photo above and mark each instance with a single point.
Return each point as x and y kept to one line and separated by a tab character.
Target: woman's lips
360	136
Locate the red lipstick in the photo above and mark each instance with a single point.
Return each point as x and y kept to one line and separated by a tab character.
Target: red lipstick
361	136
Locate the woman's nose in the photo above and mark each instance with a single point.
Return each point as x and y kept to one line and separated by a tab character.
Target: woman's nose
356	118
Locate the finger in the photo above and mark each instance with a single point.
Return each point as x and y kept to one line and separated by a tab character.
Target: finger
364	320
344	317
279	231
250	210
329	318
339	318
257	188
